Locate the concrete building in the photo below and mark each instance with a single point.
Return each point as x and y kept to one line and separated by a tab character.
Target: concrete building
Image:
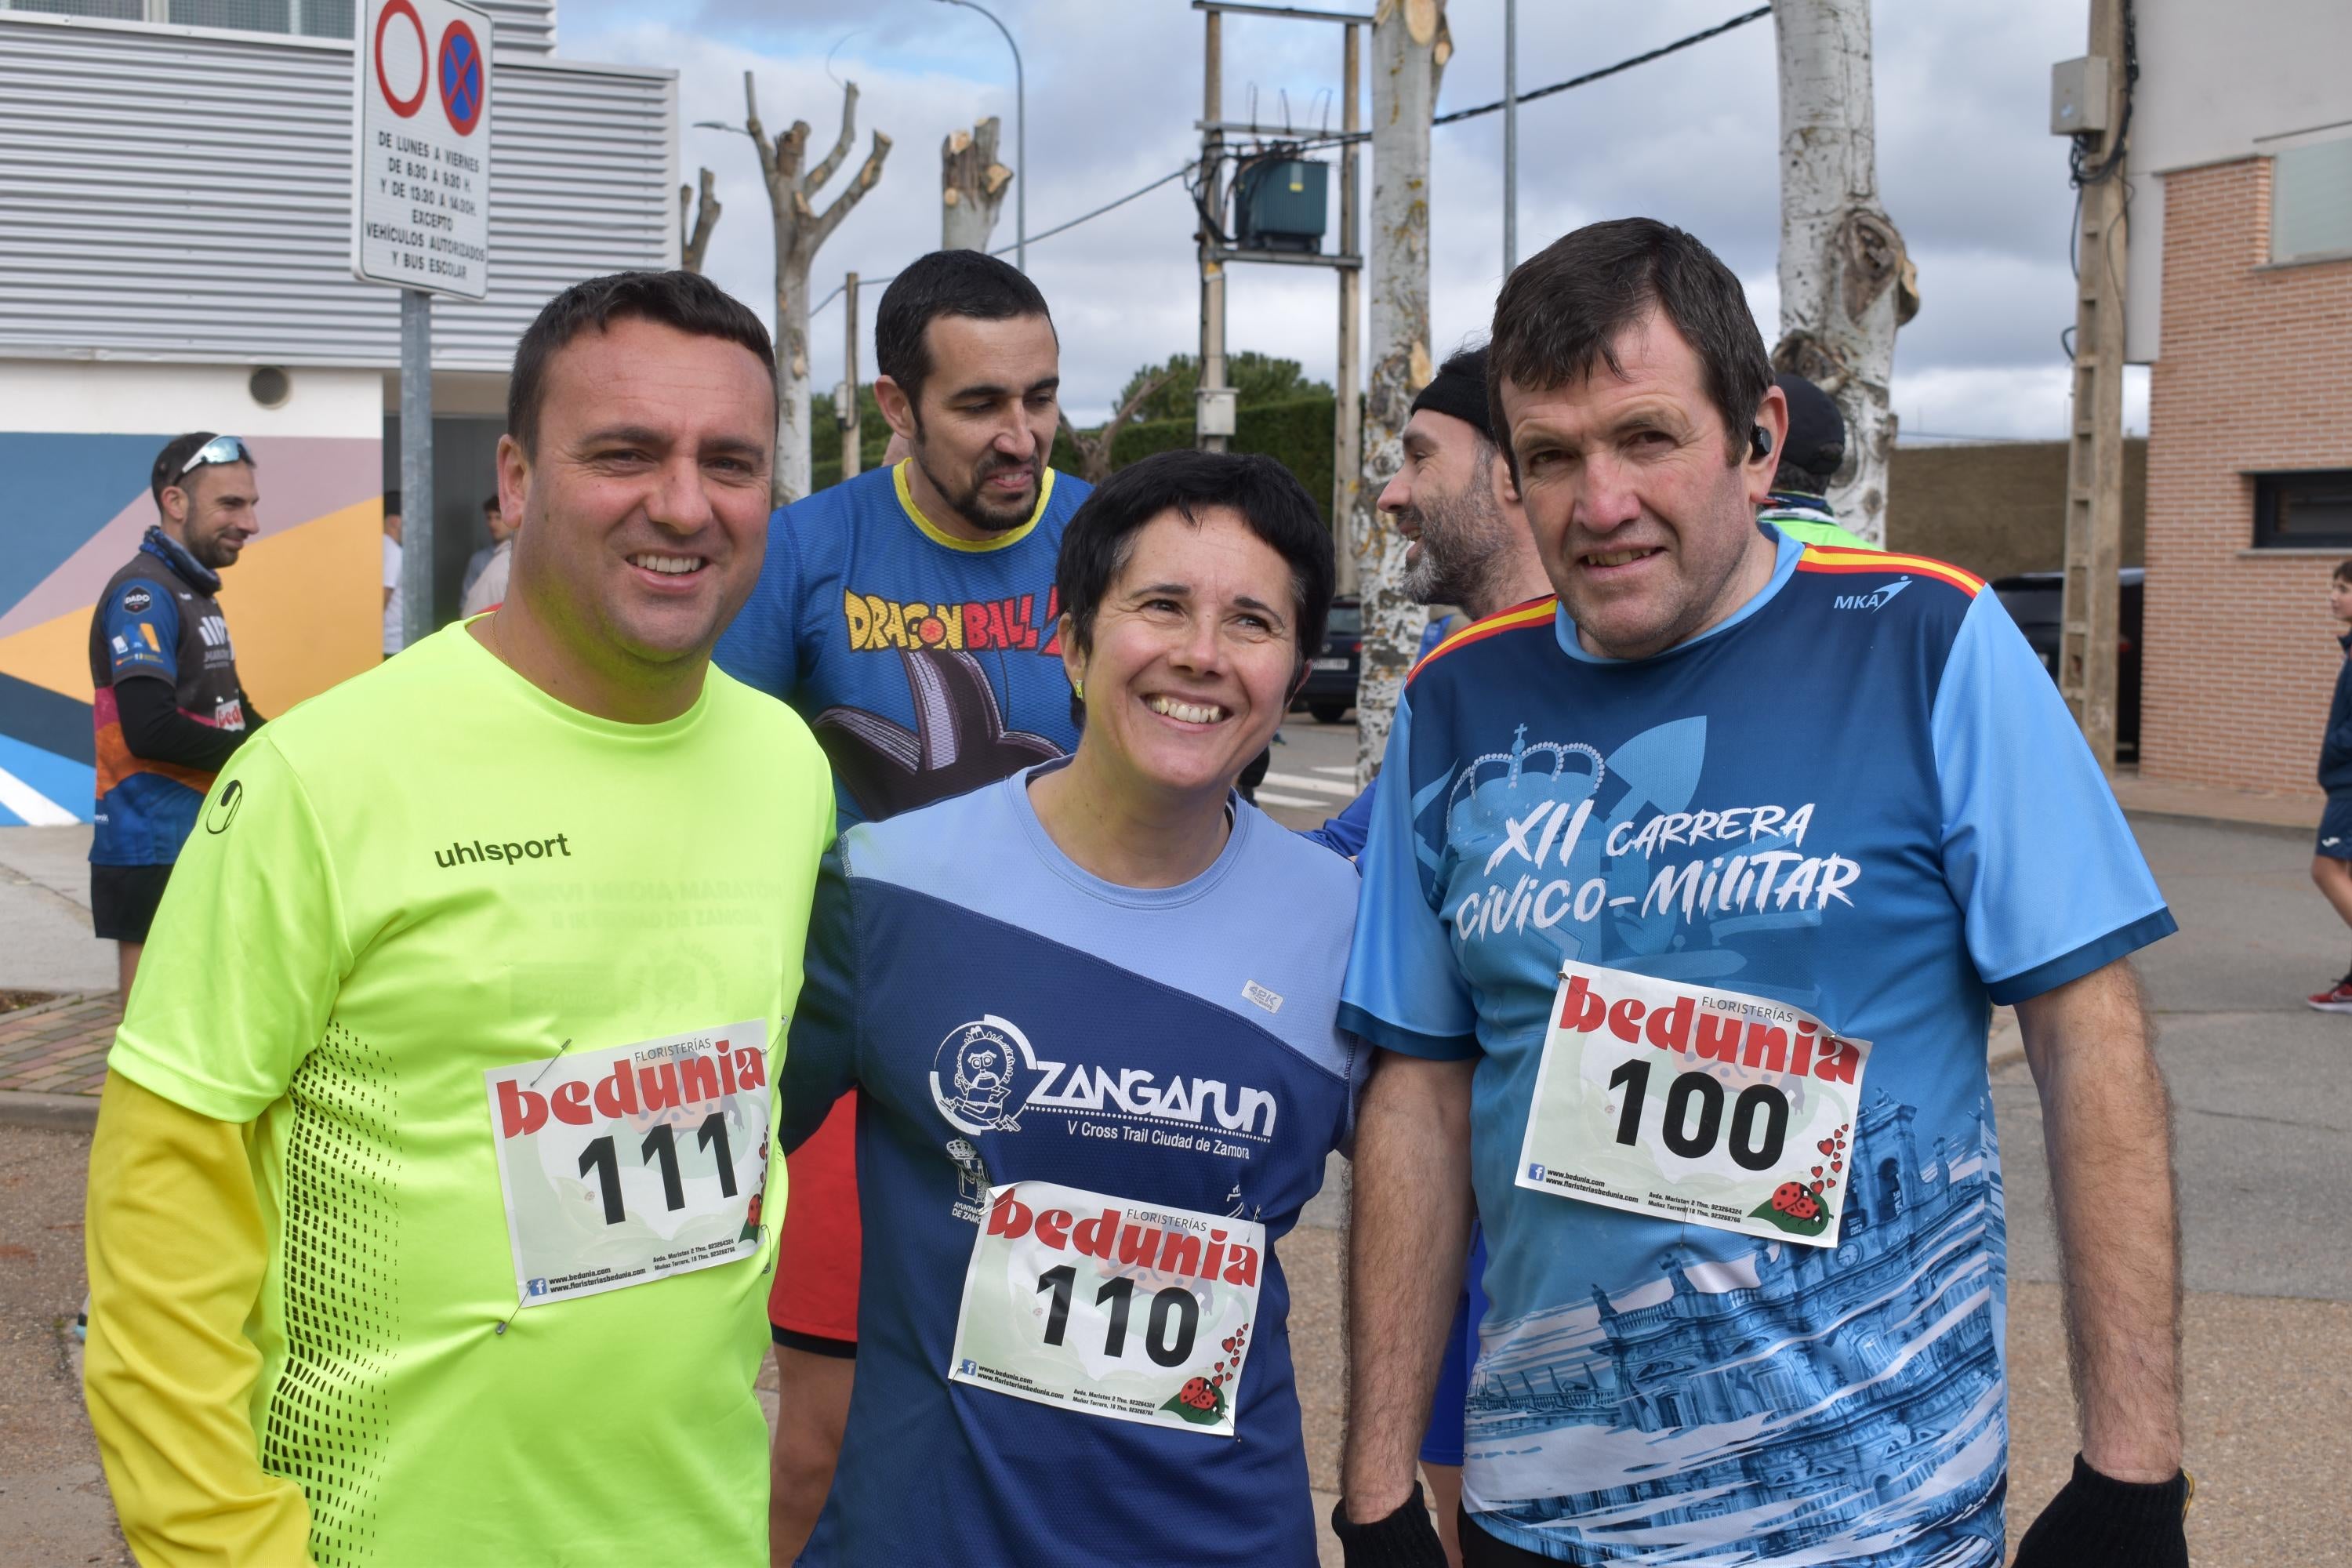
2239	299
174	197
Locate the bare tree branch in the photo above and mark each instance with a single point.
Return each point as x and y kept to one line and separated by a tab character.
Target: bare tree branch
854	194
755	131
695	242
1094	450
841	143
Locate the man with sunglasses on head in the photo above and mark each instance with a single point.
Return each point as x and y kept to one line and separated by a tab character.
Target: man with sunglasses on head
168	707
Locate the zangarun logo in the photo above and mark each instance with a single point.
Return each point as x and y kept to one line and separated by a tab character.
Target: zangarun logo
1872	601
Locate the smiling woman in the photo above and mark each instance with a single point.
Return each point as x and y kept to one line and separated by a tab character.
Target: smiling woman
1194	585
1131	978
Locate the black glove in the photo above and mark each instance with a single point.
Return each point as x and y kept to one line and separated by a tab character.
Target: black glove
1405	1539
2098	1522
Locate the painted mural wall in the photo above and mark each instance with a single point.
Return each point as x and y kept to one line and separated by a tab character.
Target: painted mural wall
304	603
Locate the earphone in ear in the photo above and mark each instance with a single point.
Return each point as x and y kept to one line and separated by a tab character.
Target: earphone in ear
1759	441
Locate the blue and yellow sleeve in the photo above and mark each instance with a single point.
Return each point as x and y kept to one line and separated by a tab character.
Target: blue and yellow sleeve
141	623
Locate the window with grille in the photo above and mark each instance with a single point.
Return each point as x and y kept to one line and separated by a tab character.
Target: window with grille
2311	508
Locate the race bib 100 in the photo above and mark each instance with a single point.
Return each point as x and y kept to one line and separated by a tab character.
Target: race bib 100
627	1165
1701	1106
1136	1311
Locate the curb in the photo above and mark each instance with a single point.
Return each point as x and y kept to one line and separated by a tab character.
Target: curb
69	1112
2268	829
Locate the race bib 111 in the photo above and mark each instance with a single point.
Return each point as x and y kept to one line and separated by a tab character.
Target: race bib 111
1140	1312
1701	1106
623	1166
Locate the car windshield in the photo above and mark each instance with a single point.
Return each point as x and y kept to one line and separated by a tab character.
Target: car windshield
1345	621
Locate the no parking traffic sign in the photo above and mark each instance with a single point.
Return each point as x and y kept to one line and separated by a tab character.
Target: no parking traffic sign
420	168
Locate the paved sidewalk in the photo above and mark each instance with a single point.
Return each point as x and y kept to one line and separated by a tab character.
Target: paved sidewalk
58	1047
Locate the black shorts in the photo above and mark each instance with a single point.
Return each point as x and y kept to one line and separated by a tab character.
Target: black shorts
2335	829
122	899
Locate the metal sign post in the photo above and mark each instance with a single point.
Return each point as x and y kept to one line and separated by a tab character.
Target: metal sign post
420	217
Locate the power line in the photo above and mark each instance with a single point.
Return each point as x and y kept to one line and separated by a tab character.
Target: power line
1315	144
1699	38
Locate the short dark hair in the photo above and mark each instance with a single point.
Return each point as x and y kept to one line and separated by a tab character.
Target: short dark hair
490	502
392	504
1100	536
1559	314
686	300
2343	571
172	459
944	283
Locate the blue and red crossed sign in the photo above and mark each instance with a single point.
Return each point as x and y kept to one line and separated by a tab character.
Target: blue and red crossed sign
460	70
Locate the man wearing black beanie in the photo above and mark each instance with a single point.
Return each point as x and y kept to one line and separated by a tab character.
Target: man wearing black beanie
1810	454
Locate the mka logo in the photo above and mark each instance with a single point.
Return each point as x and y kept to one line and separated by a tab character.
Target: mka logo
1874	599
986	1077
978	626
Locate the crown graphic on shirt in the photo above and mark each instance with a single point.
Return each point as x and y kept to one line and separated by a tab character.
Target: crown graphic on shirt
1492	789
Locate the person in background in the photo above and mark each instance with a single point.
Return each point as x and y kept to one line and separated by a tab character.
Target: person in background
168	707
1810	454
2331	864
394	603
494	522
908	615
1470	545
486	574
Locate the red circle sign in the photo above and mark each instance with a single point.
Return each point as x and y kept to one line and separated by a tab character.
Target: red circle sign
404	106
464	89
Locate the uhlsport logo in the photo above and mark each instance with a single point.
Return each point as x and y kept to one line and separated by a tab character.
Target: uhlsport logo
986	1077
1875	600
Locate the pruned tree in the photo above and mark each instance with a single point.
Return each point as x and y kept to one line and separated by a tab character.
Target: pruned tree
800	230
1410	44
1094	449
1846	280
694	226
972	187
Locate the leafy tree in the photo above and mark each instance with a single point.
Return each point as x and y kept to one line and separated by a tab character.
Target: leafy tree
1259	378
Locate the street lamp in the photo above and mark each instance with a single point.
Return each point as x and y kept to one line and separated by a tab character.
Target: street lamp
1020	138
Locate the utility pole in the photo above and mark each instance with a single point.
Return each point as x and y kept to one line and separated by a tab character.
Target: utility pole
2094	466
1510	135
1347	411
1213	402
1846	281
415	465
847	406
1409	48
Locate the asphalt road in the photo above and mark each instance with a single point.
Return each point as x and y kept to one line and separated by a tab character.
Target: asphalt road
2264	1092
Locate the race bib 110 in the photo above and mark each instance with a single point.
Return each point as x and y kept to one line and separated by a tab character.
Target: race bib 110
627	1165
1701	1106
1136	1311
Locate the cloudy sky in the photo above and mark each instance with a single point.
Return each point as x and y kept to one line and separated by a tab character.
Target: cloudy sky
1967	166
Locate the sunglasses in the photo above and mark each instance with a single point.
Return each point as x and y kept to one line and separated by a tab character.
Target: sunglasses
219	449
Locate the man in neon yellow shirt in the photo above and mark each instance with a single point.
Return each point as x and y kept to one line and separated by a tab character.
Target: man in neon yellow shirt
429	1216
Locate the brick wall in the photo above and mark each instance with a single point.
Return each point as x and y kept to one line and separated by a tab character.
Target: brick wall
2001	507
2255	371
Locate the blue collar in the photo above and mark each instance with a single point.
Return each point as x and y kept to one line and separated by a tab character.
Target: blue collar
174	554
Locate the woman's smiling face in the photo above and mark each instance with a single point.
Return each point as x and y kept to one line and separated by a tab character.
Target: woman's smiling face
1193	655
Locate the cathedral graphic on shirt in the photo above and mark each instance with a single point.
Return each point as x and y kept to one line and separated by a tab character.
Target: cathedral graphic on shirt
1884	1430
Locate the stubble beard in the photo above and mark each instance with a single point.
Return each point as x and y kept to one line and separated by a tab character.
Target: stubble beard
1463	544
968	501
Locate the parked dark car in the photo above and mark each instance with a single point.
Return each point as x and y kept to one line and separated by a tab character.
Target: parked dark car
1331	689
2035	601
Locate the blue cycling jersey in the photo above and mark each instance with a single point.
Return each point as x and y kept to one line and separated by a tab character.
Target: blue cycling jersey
1859	797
